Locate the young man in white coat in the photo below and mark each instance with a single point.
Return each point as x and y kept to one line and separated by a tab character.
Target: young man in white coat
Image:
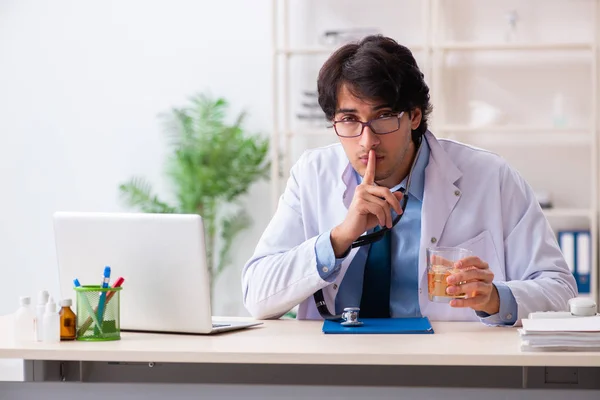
453	194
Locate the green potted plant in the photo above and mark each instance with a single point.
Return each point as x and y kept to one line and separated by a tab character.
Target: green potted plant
212	164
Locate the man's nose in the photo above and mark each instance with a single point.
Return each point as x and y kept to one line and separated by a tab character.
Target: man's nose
368	139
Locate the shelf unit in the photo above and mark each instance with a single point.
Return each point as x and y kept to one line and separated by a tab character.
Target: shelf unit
432	52
533	138
577	138
569	212
511	128
513	46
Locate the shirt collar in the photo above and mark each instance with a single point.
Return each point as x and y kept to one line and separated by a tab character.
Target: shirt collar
417	184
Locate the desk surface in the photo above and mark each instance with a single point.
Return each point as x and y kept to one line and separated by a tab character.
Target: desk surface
302	342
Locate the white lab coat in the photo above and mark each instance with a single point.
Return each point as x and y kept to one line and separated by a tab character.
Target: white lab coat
472	199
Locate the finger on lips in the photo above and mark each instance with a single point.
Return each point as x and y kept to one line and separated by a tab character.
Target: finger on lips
379	191
369	178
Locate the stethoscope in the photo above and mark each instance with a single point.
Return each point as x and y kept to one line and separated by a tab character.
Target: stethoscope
350	315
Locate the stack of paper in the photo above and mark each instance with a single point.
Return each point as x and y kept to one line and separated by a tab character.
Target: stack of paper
561	334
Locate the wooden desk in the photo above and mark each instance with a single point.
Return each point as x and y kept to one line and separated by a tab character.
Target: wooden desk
291	352
302	342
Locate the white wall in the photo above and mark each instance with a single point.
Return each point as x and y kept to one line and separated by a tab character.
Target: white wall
81	84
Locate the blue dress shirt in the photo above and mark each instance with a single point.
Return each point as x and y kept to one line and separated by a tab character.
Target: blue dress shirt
406	235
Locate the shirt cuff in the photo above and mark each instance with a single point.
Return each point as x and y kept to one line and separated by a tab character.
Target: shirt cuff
327	265
507	315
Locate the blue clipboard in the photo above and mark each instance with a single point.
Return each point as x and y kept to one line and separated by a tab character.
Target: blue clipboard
381	326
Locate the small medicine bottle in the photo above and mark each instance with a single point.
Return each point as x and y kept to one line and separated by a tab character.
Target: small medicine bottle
68	323
24	318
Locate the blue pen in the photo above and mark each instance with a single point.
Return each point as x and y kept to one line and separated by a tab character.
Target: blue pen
89	308
102	301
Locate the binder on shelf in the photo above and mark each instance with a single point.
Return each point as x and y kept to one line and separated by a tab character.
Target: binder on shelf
576	248
583	261
381	326
566	241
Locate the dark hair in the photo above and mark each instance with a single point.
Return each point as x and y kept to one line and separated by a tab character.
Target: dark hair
378	68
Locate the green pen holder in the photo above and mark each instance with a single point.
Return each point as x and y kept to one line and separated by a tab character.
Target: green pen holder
91	325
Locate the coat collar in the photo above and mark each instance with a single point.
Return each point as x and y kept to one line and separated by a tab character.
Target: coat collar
441	160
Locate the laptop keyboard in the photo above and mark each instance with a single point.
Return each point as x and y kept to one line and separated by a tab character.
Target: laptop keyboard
219	325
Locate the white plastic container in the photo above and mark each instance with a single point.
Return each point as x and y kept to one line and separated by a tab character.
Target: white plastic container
51	328
40	309
24	321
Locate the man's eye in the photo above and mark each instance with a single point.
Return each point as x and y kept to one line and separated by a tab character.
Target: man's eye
386	115
348	119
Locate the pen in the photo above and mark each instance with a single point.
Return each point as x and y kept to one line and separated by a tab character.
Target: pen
84	327
90	311
102	301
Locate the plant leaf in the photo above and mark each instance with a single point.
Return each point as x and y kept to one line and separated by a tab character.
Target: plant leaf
137	193
213	160
230	227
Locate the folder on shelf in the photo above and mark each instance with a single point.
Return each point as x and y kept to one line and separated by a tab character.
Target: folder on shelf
566	241
576	248
583	261
381	326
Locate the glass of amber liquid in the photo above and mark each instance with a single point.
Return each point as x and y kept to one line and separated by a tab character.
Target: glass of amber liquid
440	265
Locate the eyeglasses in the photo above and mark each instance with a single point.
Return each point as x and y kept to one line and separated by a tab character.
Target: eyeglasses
379	126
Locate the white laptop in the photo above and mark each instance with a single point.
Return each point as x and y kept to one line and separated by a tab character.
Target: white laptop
162	258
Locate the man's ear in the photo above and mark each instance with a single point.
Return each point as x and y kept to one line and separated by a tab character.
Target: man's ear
415	118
